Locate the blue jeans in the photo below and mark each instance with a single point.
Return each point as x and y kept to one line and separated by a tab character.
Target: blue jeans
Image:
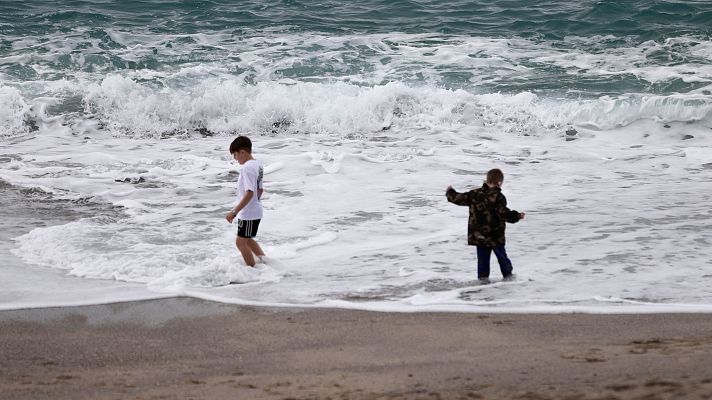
483	260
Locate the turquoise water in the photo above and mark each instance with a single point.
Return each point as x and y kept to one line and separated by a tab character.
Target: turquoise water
616	43
554	20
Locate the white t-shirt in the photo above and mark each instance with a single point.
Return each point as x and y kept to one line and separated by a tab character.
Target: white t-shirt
250	179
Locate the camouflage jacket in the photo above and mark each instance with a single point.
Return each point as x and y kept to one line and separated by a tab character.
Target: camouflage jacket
488	214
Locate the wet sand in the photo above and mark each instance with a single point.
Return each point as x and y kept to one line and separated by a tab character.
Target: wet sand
186	348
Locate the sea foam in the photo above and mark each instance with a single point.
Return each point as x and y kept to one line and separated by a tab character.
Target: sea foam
604	217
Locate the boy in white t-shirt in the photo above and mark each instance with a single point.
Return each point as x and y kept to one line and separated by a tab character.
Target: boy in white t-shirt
249	207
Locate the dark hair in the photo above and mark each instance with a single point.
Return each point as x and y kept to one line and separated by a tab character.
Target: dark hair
495	176
241	143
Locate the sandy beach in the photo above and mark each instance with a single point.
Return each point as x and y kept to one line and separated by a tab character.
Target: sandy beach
185	348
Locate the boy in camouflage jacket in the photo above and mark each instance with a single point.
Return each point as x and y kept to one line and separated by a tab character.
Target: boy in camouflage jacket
488	217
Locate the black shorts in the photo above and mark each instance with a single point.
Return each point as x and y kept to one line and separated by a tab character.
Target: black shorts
247	229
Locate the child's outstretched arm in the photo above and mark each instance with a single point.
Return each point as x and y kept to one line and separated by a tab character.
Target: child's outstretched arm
505	213
461	199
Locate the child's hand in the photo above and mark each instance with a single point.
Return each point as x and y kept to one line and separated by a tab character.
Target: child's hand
230	216
448	188
521	215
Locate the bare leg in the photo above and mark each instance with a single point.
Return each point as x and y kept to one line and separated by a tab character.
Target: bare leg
256	249
244	248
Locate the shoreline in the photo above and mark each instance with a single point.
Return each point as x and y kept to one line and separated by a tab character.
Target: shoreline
386	307
190	348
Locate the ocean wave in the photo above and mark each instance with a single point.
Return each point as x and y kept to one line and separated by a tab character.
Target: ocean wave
587	65
126	107
14	113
